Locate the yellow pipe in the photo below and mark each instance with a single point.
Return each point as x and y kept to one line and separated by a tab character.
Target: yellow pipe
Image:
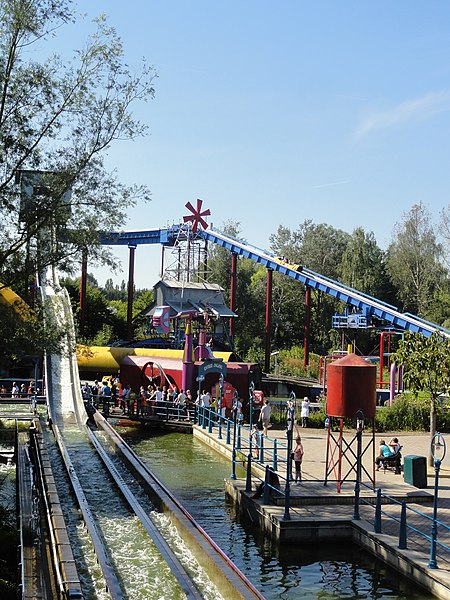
108	359
10	298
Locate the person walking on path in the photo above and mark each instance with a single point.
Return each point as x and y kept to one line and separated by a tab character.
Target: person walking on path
305	411
264	416
298	458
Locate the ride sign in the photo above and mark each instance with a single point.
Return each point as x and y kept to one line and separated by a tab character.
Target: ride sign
212	366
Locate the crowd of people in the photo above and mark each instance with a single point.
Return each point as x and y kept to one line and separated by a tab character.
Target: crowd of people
19	391
146	400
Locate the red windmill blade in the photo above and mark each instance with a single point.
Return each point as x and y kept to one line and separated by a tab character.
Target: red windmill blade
197	215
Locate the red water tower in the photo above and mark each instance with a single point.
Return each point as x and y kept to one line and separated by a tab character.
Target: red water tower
351	386
351	394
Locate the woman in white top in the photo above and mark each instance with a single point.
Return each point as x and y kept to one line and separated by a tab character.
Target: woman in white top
305	411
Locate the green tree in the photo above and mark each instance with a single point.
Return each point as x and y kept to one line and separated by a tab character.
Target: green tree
58	117
426	364
362	264
26	336
414	261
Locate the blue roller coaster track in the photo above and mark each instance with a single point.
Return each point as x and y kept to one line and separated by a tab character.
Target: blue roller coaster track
367	305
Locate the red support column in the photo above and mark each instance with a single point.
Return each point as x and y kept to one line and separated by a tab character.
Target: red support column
268	320
130	293
83	291
307	327
233	290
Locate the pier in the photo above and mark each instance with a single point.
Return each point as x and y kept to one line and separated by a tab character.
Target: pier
318	513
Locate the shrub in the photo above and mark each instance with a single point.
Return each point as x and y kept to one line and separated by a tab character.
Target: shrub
410	413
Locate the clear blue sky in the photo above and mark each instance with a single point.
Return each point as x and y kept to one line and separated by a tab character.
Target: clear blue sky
277	112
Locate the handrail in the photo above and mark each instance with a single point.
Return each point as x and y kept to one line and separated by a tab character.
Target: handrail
65	586
379	511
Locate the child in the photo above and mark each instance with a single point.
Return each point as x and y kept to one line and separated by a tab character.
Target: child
298	458
256	439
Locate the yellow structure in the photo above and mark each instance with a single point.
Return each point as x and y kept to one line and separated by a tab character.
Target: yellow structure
10	298
107	359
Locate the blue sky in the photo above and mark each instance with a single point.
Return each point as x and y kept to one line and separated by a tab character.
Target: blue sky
277	112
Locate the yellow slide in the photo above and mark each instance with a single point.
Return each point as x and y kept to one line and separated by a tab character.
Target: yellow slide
10	298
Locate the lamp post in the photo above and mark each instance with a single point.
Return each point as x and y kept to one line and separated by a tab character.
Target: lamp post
287	488
248	482
200	380
220	405
359	431
233	455
438	450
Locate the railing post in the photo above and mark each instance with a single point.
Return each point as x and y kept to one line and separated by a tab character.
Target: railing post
248	479
377	522
287	487
266	486
203	417
228	436
438	451
402	543
275	455
359	430
261	449
219	426
209	420
233	454
238	440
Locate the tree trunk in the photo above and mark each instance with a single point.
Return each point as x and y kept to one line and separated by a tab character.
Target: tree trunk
432	429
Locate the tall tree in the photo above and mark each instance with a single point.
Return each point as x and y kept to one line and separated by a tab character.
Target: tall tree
58	117
426	363
362	264
414	261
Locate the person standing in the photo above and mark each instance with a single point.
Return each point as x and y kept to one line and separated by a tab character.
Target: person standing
298	458
256	440
264	416
305	411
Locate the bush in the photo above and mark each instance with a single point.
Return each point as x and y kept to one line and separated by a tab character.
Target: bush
410	413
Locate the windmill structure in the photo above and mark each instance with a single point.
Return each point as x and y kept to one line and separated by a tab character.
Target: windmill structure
187	259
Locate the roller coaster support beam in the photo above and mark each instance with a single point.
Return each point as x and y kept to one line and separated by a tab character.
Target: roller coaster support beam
132	249
83	286
307	326
233	291
268	320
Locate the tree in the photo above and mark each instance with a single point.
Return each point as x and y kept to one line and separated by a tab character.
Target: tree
362	264
426	364
319	247
413	261
58	117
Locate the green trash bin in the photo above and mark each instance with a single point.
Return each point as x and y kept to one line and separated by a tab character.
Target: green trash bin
415	471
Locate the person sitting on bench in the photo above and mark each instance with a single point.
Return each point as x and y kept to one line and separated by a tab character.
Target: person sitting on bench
384	452
395	459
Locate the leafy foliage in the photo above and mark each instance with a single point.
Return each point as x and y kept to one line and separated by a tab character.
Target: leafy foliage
426	363
57	119
413	261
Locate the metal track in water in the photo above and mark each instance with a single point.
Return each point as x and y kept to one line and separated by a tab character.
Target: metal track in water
244	588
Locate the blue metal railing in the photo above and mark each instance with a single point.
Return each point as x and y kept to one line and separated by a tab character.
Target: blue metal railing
404	526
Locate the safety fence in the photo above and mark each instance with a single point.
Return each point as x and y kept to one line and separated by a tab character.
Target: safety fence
401	520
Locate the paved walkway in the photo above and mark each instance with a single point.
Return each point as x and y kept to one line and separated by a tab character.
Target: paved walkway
415	444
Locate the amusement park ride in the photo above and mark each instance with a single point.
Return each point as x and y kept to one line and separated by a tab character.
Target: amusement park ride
184	260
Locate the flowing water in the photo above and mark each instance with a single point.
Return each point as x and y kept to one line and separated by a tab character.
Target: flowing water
195	474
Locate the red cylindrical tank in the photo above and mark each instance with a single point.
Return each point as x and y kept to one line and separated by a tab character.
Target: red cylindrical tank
351	386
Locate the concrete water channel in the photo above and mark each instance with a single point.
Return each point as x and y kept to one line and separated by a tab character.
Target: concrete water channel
197	475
